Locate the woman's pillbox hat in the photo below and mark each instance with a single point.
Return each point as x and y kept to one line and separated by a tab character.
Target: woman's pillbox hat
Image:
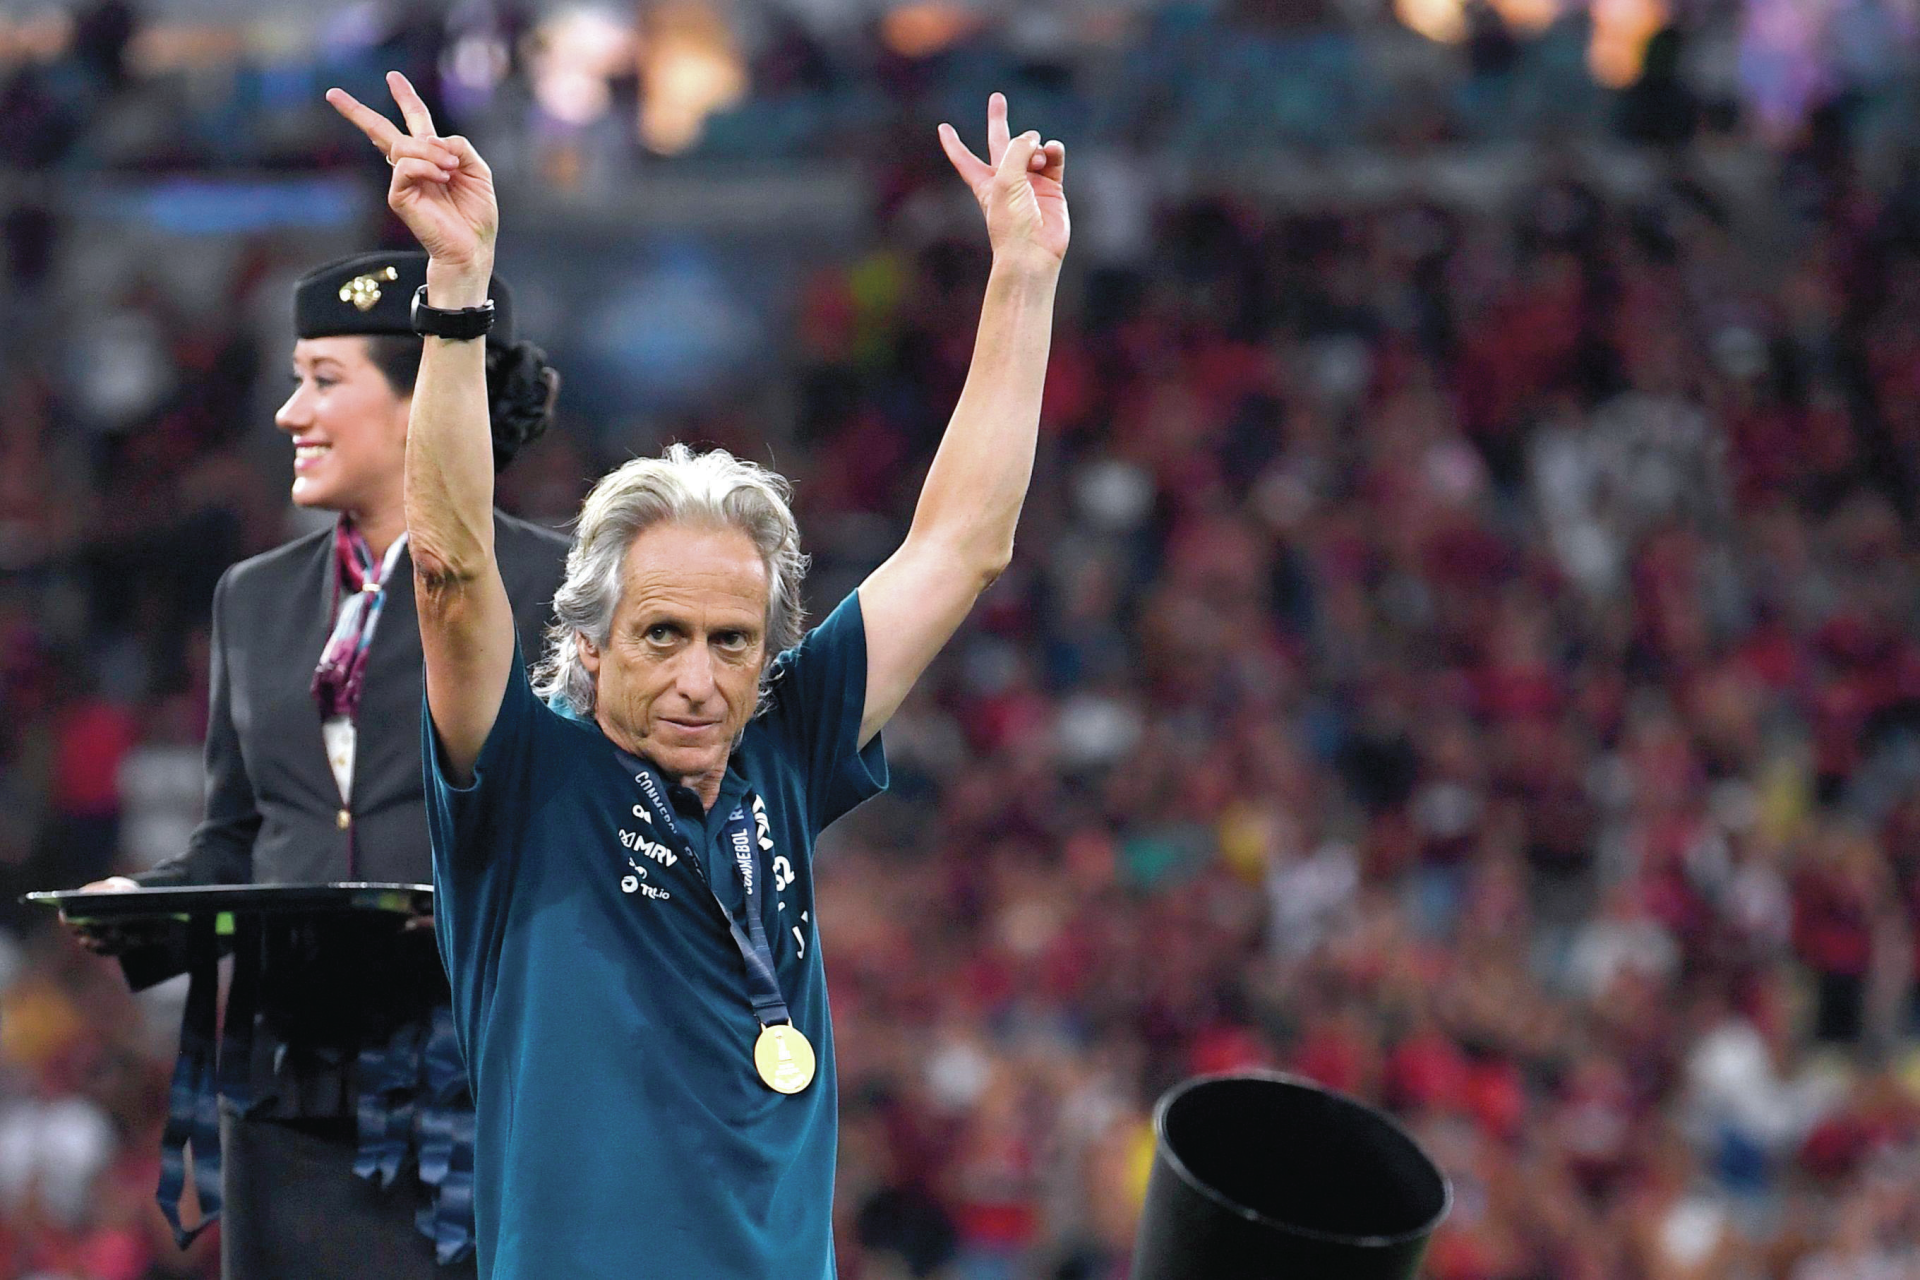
372	293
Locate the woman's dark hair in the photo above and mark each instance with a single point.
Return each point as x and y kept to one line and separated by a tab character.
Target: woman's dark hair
521	387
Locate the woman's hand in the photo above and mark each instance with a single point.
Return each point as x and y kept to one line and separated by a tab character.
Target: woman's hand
105	939
441	187
1018	187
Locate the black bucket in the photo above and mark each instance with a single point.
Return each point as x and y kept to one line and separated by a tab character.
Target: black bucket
1265	1177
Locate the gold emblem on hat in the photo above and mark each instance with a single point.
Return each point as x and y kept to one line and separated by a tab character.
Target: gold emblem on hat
364	291
784	1058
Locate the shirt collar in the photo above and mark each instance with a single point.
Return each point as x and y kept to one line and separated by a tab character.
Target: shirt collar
733	787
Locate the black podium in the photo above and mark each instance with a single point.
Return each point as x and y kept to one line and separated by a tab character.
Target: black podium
190	927
1267	1177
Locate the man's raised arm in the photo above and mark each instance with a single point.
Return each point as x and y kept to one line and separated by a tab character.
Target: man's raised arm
962	533
443	191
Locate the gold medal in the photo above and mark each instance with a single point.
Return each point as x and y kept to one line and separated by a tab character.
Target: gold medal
784	1058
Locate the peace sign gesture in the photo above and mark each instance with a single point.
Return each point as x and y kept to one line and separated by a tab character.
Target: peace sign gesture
441	187
1018	187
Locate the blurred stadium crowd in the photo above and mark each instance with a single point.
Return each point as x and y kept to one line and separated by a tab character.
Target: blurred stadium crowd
1460	649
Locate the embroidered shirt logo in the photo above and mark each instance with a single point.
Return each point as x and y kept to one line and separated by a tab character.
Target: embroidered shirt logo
743	857
635	881
763	833
658	801
638	843
762	829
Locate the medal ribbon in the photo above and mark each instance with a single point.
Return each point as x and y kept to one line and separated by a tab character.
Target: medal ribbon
763	987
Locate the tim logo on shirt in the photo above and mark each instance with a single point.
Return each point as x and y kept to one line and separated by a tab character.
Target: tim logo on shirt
635	881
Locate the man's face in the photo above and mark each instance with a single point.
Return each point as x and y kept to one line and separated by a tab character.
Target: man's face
679	675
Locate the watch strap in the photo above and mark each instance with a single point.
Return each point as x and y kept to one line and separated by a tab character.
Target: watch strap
459	324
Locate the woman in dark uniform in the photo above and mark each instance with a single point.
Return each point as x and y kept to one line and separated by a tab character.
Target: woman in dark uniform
344	1158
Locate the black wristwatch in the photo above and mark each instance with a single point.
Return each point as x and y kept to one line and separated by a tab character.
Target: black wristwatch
462	323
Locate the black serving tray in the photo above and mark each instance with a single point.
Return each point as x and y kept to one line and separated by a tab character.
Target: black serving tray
184	902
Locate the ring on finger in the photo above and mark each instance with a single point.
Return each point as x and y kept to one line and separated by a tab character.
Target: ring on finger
391	161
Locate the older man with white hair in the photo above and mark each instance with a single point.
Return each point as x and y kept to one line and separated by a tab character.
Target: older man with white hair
622	846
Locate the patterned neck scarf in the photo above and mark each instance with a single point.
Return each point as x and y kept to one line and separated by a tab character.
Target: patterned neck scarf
363	581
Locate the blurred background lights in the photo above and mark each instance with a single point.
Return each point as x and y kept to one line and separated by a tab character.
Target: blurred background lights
577	51
1442	20
35	36
690	67
1528	15
1615	54
1448	21
476	62
1621	29
921	30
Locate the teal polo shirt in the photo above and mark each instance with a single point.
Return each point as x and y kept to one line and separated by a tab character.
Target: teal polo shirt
621	1130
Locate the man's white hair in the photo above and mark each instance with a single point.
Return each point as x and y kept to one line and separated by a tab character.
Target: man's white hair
707	490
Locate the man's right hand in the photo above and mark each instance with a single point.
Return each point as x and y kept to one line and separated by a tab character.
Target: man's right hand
441	189
108	939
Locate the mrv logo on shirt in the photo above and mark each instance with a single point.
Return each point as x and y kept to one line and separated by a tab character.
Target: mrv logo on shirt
636	881
646	848
637	842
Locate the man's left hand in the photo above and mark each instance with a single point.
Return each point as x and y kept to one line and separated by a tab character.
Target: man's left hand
1019	189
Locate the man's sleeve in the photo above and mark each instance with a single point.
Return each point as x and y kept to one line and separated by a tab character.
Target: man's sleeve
818	694
476	828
